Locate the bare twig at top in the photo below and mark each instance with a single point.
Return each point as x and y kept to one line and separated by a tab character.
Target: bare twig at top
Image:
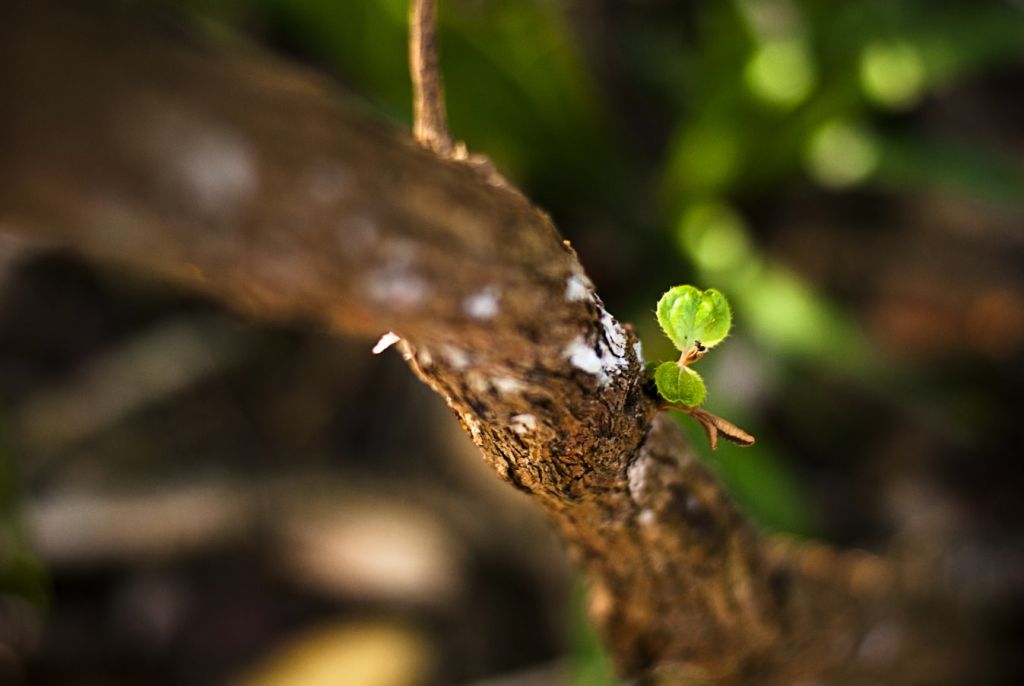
430	125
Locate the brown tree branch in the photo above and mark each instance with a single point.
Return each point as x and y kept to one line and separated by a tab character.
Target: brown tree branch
135	142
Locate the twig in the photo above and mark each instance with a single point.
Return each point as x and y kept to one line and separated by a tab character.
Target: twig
430	125
715	426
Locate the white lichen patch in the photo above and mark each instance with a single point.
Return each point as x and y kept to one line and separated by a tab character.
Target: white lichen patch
203	162
397	289
482	304
582	356
524	423
606	357
396	283
637	478
615	335
473	425
424	358
385	342
577	288
477	383
507	385
457	358
219	169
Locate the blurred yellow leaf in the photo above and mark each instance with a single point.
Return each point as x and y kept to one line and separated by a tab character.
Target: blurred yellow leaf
374	653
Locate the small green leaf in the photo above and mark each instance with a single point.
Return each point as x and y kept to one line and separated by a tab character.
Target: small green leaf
676	311
714	318
679	384
687	315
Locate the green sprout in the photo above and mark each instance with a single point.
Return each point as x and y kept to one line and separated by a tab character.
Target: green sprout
695	321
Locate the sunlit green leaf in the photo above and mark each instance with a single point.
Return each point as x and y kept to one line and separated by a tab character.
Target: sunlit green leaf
679	384
688	315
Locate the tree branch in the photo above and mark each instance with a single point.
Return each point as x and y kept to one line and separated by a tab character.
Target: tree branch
134	142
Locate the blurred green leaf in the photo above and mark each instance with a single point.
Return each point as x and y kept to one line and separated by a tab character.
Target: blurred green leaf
949	166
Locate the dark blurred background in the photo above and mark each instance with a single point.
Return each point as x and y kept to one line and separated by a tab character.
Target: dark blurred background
188	497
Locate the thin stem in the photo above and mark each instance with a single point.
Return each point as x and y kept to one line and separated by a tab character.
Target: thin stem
715	426
430	125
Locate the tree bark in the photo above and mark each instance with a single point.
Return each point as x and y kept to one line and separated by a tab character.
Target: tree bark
132	140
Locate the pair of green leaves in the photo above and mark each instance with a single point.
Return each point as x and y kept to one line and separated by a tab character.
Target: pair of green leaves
695	321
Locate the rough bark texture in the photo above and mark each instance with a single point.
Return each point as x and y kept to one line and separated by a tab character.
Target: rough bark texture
132	141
